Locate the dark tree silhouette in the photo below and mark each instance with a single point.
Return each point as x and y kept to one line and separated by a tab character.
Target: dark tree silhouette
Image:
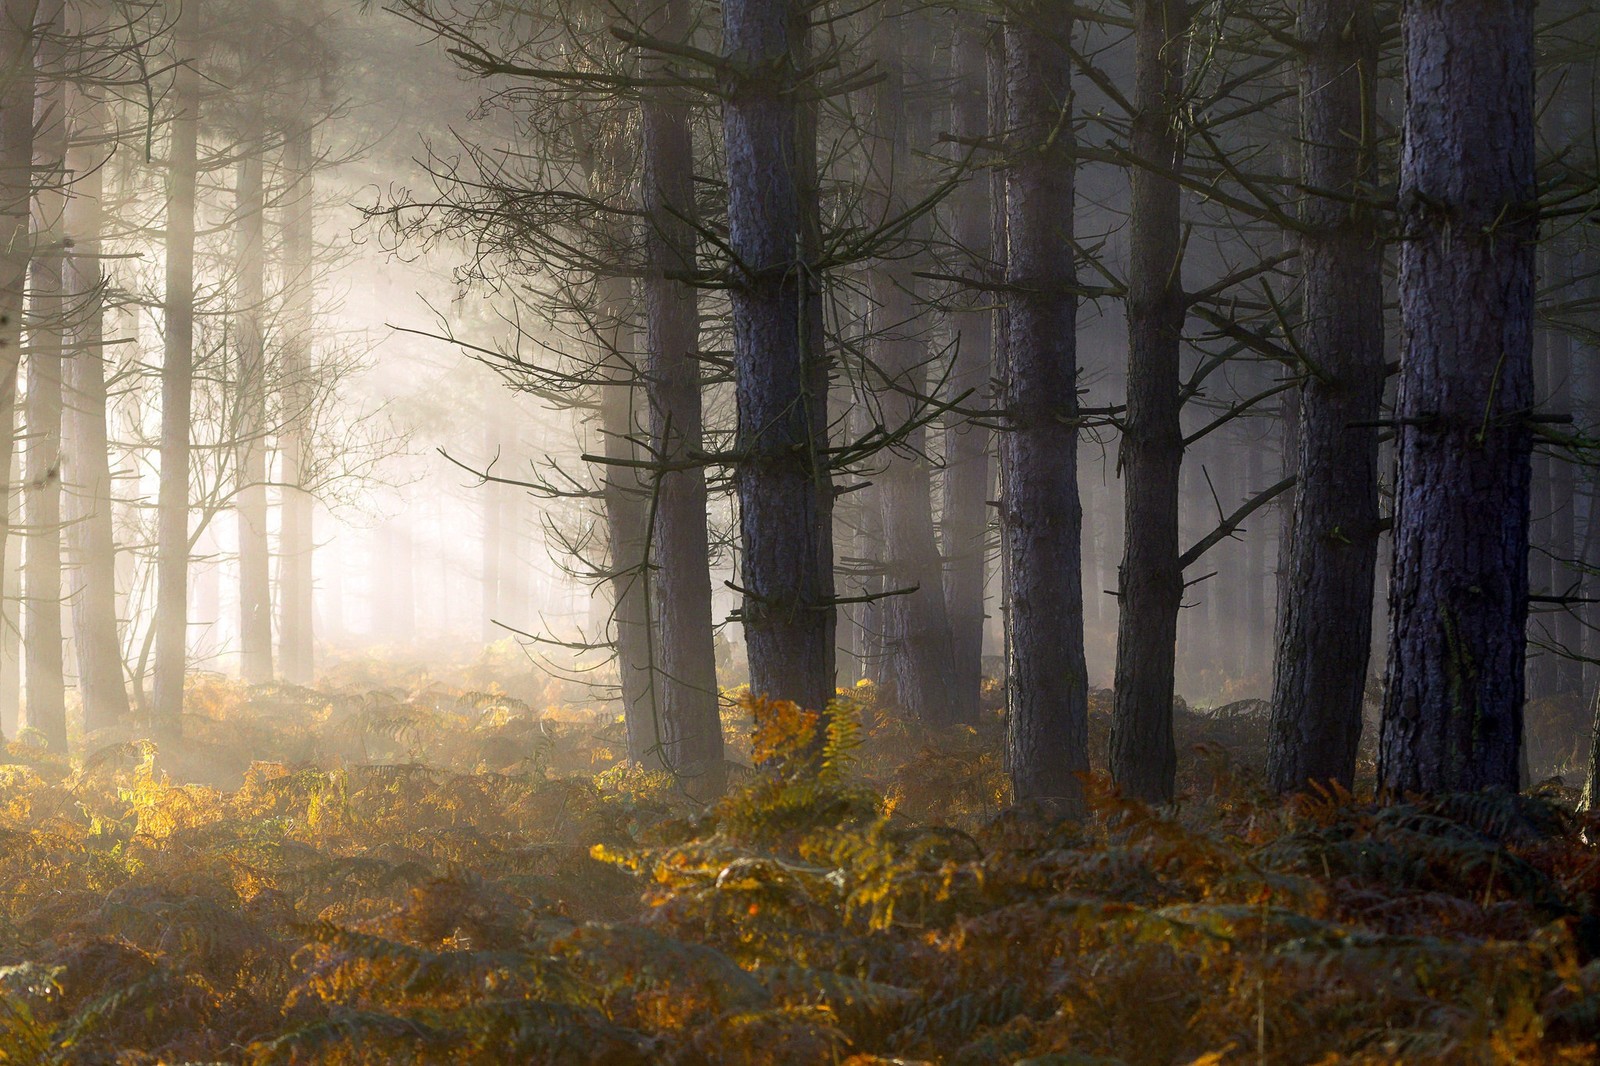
782	479
1325	625
1458	598
1041	515
1143	759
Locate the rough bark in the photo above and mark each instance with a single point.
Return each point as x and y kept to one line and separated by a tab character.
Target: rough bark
1047	736
1150	581
255	559
687	699
1458	598
1325	629
172	504
783	481
90	540
296	536
45	696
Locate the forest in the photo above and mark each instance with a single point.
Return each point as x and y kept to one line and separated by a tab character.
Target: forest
972	532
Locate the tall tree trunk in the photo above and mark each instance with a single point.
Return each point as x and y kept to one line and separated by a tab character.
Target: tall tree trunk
967	444
45	699
815	357
687	699
1325	631
17	47
1048	683
255	556
1150	584
177	368
90	537
783	481
916	626
1458	600
296	535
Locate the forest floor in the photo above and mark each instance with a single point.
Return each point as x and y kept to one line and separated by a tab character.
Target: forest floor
396	870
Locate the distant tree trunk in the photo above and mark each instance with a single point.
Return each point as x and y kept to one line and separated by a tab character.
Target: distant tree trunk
687	700
867	509
1586	388
255	556
1259	656
45	700
11	621
493	528
399	622
1325	630
1197	512
1288	466
205	595
1586	406
624	493
177	367
1150	583
511	598
1048	682
1458	599
90	539
1225	588
1000	319
916	626
331	567
125	518
297	534
862	518
1566	673
967	445
783	480
1541	568
816	359
16	251
627	513
1587	802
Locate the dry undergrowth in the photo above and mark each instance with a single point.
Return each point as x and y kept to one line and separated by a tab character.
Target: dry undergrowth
436	876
